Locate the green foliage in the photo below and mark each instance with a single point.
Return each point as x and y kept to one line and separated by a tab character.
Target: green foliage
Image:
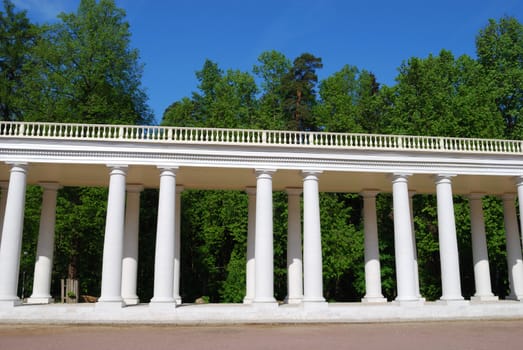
18	36
298	88
441	96
499	48
82	69
214	226
79	236
273	67
348	102
342	243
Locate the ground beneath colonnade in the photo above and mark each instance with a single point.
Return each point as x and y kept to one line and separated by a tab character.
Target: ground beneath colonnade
476	335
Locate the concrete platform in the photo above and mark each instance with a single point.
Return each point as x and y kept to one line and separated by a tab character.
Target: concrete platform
190	314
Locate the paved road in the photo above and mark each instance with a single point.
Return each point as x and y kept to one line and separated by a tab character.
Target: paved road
475	335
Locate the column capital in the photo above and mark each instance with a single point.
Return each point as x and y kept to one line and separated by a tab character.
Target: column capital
20	164
50	185
167	167
294	191
117	166
167	171
264	171
369	193
400	177
518	180
311	172
19	167
250	190
475	195
443	178
117	169
134	188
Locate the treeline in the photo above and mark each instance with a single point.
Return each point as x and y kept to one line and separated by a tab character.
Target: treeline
82	69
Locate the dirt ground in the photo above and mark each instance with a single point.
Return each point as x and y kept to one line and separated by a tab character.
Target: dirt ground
475	335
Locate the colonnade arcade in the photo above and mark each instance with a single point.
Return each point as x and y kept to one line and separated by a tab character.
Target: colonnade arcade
127	161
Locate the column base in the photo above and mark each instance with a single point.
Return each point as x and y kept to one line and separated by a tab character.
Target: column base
9	303
453	301
178	300
409	301
162	304
103	305
293	300
265	304
315	305
131	300
483	298
373	300
40	300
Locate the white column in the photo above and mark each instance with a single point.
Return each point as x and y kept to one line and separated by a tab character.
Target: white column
45	247
113	240
312	254
514	260
294	254
373	292
448	244
177	242
12	236
165	231
263	251
3	201
414	246
130	245
519	186
250	268
403	249
479	250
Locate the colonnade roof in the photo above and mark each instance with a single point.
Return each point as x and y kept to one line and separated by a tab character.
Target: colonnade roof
79	155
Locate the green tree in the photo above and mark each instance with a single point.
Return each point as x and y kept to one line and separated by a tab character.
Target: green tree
299	90
272	68
83	69
347	102
17	37
499	48
442	96
223	100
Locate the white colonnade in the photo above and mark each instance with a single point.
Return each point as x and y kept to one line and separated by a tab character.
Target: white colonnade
304	280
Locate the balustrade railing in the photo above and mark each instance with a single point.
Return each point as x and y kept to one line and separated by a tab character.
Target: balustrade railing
97	132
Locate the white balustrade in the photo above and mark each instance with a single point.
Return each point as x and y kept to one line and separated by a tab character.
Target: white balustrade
279	138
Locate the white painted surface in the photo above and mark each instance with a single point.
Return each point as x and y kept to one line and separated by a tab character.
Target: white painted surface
263	251
130	247
12	235
45	247
372	255
113	238
448	244
403	240
294	247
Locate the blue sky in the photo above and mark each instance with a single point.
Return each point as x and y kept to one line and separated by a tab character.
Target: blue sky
175	37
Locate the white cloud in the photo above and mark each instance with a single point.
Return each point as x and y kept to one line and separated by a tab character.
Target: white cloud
45	10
